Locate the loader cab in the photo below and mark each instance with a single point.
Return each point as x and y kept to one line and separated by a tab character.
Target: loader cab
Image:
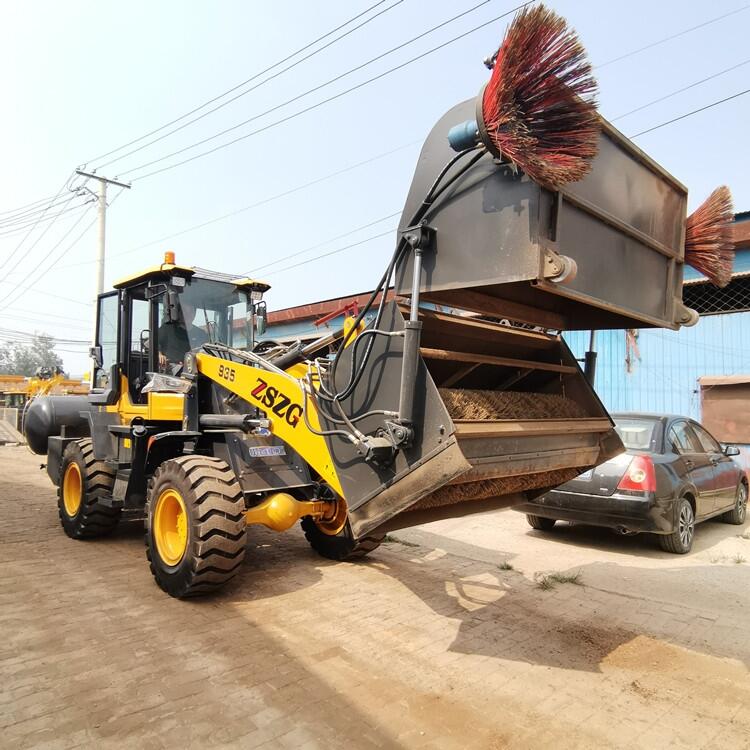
153	319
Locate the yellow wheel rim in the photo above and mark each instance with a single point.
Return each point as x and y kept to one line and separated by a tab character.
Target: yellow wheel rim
334	522
170	530
72	489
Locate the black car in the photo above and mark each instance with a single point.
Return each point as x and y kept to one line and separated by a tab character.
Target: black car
673	475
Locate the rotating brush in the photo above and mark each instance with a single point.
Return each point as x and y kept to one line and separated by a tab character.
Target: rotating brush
708	237
538	109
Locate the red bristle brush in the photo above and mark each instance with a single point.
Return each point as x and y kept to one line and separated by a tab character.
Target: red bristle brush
708	237
539	107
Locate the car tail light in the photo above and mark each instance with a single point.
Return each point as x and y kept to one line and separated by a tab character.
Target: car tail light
639	475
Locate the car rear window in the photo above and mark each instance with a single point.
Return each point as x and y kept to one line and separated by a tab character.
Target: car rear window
637	434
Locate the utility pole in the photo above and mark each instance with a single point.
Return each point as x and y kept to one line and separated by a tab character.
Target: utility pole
103	182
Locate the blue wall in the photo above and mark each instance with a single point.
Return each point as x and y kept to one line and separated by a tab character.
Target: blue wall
666	378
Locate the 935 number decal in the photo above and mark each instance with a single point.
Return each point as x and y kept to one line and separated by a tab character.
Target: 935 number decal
226	372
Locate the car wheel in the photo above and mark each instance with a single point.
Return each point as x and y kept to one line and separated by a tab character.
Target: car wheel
738	514
680	541
542	524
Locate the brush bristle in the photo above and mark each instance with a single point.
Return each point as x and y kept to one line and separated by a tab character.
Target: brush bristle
539	106
708	237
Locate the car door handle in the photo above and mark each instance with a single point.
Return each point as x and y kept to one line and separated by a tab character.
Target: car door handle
689	464
714	461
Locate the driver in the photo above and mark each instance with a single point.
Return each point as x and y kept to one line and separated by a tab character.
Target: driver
177	339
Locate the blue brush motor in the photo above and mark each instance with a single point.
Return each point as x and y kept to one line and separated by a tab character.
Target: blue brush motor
463	136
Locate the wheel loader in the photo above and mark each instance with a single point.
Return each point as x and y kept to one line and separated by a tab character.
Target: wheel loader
451	392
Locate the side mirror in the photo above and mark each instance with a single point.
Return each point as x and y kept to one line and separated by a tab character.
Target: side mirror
95	352
172	312
731	450
261	318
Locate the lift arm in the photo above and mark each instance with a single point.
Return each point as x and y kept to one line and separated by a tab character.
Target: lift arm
292	414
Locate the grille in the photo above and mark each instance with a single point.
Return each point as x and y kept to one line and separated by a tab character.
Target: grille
706	299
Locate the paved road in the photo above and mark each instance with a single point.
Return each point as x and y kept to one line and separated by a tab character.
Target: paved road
434	642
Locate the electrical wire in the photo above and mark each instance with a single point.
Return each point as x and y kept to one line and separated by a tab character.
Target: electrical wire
671	37
48	294
690	114
256	204
27	216
52	265
6	301
252	88
28	205
333	252
680	91
238	86
45	220
314	106
6	260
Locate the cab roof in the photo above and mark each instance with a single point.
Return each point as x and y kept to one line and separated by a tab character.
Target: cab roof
165	271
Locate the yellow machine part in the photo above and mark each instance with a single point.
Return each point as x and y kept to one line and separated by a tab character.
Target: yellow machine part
282	399
72	489
163	407
169	526
280	511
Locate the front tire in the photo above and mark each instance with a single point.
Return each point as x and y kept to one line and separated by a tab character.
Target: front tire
539	523
738	514
195	525
680	541
83	485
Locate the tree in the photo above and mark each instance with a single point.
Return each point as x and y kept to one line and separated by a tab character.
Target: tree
26	359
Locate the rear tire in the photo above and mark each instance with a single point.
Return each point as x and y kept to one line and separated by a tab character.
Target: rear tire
84	482
738	514
195	525
680	541
540	523
341	546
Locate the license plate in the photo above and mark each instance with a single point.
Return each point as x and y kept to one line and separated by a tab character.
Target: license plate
265	451
586	475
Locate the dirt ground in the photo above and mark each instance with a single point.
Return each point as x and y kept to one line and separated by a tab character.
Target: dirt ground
446	637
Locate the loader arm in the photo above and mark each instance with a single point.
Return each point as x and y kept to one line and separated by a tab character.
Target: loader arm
293	416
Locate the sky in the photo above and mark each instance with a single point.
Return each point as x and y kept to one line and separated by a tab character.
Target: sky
83	78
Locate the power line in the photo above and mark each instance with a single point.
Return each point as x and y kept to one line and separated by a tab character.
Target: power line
28	205
334	252
680	91
44	220
672	36
694	112
28	234
48	294
60	257
239	85
253	88
48	315
4	303
21	217
324	242
12	317
30	336
256	204
321	103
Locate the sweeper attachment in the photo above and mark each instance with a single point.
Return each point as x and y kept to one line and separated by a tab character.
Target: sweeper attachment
452	391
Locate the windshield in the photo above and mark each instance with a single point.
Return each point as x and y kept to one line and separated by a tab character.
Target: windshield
637	434
209	312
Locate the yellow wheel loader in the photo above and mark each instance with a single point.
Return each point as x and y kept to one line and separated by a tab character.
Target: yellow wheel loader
455	394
